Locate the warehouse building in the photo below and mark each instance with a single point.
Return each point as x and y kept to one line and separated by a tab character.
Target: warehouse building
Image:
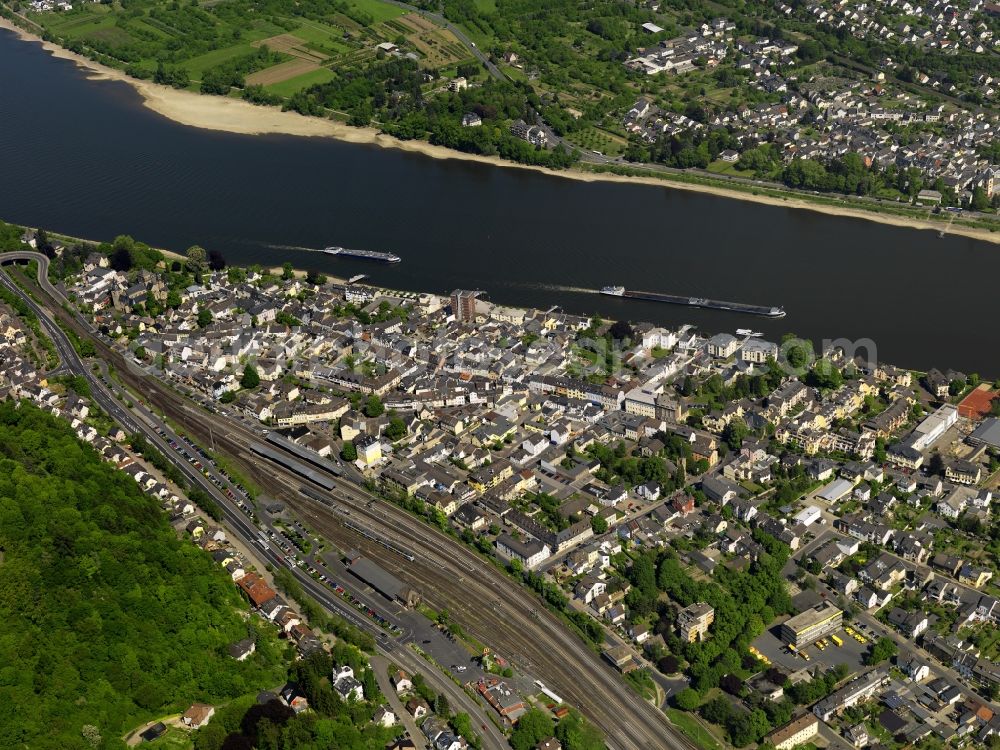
811	625
381	580
933	427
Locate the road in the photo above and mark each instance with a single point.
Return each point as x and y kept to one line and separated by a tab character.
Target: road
449	574
873	624
140	420
470	45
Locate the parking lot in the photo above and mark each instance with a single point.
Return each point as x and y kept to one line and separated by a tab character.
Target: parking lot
850	653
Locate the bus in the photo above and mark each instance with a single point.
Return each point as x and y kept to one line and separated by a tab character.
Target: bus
837	640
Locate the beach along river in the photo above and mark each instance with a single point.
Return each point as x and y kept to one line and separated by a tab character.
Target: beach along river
86	158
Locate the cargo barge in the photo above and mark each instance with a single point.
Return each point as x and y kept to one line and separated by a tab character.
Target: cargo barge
704	302
363	254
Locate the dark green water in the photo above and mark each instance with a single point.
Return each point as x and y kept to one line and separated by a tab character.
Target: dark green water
87	159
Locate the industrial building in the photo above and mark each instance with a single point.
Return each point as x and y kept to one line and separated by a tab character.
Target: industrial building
811	625
380	579
933	427
987	433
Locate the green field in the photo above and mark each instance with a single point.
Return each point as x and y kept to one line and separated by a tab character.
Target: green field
216	38
725	167
378	10
289	87
79	25
174	739
198	65
595	139
322	34
691	728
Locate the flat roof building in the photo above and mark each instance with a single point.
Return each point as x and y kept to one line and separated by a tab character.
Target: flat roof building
693	621
380	579
988	432
933	427
811	625
835	490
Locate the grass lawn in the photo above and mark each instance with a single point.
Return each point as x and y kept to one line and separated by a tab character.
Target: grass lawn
515	74
485	6
93	21
378	10
642	683
724	167
595	139
322	35
198	65
692	729
289	87
176	739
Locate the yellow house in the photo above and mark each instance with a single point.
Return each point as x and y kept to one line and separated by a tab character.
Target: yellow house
369	449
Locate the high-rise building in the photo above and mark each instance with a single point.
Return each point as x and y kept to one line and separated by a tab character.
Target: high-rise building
463	305
693	621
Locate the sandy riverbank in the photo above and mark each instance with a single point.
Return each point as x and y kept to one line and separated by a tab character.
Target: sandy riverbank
237	116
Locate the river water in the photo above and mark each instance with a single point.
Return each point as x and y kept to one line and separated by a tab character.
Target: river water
86	158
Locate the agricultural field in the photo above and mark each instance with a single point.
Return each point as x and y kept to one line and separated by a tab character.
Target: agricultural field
378	10
305	80
217	46
286	71
595	139
175	739
438	48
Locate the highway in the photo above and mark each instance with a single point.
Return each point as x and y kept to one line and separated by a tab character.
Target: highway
448	574
142	421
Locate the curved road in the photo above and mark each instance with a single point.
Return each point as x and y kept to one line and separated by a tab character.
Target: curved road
470	45
480	597
148	424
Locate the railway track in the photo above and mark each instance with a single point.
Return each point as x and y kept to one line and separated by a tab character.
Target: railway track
447	573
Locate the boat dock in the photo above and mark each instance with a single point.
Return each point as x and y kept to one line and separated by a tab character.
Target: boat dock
765	311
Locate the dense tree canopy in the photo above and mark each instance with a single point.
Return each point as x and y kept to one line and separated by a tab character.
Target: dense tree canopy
108	619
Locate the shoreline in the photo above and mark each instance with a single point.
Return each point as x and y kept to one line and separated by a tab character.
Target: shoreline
237	116
172	255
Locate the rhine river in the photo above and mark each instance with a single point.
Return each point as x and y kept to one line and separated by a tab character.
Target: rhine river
86	158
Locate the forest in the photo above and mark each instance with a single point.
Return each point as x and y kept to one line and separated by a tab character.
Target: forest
109	619
331	723
389	92
745	602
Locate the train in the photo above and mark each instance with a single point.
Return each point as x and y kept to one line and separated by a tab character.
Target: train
323	500
292	465
381	540
309	456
